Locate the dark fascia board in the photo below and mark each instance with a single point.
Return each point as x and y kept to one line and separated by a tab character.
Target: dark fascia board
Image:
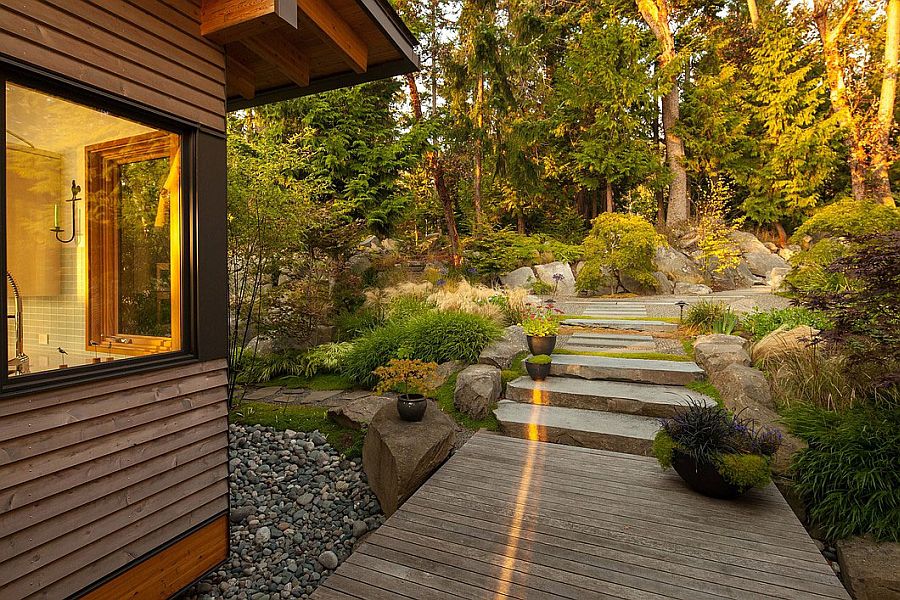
332	82
394	29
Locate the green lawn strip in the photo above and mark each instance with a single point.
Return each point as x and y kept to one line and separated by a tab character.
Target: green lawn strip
444	398
688	345
641	355
705	387
322	382
299	418
619	318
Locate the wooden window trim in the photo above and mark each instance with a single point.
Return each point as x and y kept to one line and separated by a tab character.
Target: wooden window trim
102	162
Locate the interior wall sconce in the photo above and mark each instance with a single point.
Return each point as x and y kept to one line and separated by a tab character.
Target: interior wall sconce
76	189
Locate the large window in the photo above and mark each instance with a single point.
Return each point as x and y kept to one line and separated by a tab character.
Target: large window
93	234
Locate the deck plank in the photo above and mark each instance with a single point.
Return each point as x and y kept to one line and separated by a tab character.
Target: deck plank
512	519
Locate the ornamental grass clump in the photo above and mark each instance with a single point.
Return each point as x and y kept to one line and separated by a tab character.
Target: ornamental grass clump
711	436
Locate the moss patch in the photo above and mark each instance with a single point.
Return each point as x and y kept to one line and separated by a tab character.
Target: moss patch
299	418
641	355
705	387
516	369
323	382
663	448
745	470
444	398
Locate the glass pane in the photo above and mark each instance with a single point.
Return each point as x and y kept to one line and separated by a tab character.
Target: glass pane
93	235
144	274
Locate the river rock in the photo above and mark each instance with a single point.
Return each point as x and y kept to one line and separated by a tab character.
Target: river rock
522	277
477	389
398	456
558	275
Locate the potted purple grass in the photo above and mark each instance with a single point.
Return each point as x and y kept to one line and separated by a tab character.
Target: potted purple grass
716	453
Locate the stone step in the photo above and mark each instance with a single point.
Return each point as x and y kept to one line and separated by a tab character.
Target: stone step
624	324
638	370
624	397
587	341
630	434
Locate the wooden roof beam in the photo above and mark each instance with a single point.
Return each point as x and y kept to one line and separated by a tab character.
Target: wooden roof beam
281	50
335	32
224	21
240	76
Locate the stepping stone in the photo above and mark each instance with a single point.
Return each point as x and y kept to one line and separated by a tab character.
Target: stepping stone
644	399
638	370
599	341
630	434
626	324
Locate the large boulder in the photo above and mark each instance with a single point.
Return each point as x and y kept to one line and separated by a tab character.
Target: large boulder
477	389
398	456
783	341
714	357
732	278
522	277
747	242
663	284
743	387
634	286
691	289
762	263
776	277
358	413
722	338
676	265
871	570
501	353
559	275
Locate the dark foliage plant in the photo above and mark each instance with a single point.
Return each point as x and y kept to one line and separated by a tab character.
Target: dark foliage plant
865	317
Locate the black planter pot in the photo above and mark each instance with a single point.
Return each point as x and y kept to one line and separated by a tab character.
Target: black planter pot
411	406
704	478
537	372
543	344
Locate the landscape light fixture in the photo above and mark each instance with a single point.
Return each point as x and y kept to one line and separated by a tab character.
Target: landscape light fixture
681	304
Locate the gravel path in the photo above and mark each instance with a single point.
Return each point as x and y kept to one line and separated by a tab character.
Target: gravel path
297	509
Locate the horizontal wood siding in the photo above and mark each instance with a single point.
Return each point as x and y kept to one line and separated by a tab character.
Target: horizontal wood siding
95	476
149	51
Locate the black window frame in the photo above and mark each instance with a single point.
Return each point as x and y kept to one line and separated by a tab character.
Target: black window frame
56	85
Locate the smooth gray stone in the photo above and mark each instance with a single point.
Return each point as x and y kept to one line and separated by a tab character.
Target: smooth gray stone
630	434
662	372
627	324
644	399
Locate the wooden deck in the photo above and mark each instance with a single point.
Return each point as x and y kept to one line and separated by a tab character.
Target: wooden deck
507	518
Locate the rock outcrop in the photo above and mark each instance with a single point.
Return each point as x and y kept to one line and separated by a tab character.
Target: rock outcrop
716	354
477	389
522	277
871	570
398	456
500	353
558	275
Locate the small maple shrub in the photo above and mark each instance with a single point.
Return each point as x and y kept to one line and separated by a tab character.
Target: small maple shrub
618	246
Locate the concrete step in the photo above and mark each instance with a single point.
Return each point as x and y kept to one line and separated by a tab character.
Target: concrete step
624	397
639	370
599	341
624	324
630	434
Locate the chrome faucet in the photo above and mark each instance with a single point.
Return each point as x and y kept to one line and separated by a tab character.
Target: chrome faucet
19	364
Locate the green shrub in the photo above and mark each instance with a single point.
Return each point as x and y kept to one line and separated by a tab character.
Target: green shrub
726	324
745	470
704	313
371	350
540	288
759	324
849	476
499	252
325	358
403	308
849	217
350	325
442	336
618	246
808	269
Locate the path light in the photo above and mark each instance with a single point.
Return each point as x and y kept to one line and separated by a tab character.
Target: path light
681	304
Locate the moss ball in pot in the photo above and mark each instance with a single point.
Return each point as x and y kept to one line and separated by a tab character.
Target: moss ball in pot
538	367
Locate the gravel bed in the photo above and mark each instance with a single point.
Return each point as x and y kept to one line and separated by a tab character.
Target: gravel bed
298	507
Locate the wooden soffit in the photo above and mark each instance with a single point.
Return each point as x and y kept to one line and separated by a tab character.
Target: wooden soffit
279	49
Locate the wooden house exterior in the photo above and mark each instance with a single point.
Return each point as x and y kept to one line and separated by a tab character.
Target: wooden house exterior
114	437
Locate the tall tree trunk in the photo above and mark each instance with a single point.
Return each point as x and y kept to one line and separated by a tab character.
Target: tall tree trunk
886	106
660	196
479	149
754	13
435	168
830	35
610	207
520	221
594	211
656	15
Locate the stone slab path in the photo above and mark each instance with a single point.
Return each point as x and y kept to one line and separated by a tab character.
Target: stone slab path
507	519
621	324
663	372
